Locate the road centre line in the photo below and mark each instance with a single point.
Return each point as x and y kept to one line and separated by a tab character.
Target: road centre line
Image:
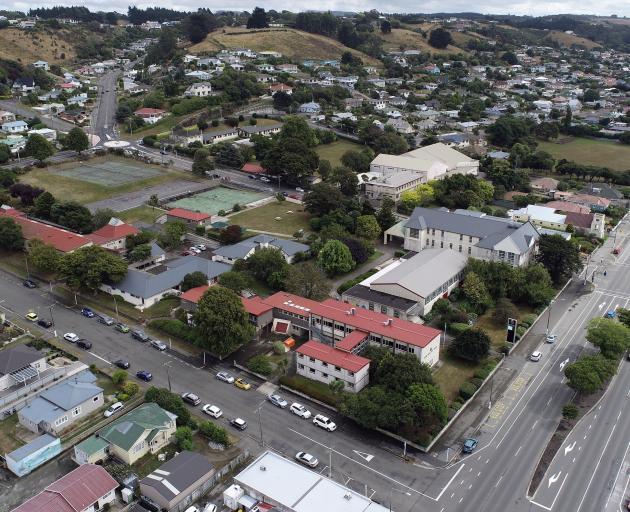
623	459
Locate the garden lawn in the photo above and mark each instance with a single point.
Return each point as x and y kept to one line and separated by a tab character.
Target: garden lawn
601	153
452	374
334	151
8	440
263	218
497	332
144	213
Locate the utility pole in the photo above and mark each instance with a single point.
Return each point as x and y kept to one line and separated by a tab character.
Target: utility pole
548	316
262	441
116	307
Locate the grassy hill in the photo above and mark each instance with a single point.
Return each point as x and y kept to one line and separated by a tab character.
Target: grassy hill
410	40
29	46
569	39
289	42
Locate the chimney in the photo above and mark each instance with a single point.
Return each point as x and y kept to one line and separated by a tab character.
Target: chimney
353	311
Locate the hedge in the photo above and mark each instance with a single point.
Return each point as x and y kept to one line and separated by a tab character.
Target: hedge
467	390
457	328
175	328
520	330
260	364
214	433
528	320
476	381
349	284
314	389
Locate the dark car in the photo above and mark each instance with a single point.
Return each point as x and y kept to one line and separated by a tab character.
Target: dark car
191	398
87	312
140	335
46	324
122	363
84	344
144	375
238	423
29	284
469	445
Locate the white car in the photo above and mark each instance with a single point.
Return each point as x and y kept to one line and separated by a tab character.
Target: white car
210	507
535	356
299	189
71	337
212	410
265	180
300	410
306	458
113	409
326	423
278	401
201	247
194	249
225	377
551	338
192	509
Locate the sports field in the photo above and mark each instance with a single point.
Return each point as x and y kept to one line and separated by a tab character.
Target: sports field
220	198
109	173
282	217
603	153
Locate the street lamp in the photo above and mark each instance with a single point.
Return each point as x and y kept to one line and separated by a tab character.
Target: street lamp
399	491
262	441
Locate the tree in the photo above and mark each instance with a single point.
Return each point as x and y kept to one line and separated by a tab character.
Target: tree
358	161
335	258
258	19
612	338
503	310
337	387
171	402
38	147
560	257
43	204
222	321
101	217
76	140
72	215
119	377
385	215
422	195
368	227
624	316
198	25
508	130
472	344
624	138
376	406
11	238
347	180
269	266
322	199
510	58
201	167
5	154
235	281
589	373
193	280
391	143
399	371
184	438
386	27
429	405
476	292
231	234
357	248
172	234
307	280
89	267
43	257
440	38
591	95
139	253
27	193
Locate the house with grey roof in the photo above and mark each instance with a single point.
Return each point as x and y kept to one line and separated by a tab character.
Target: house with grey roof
243	250
146	429
143	288
58	407
19	365
473	234
179	482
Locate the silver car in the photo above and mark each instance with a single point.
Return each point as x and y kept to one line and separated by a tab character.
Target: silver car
307	459
278	401
225	377
300	410
158	345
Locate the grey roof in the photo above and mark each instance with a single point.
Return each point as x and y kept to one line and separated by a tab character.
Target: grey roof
156	250
178	474
145	285
258	129
28	449
18	357
241	249
365	293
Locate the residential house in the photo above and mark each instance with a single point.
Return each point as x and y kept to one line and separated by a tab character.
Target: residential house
19	365
88	488
49	134
146	429
190	218
267	130
179	482
16	143
595	203
58	407
113	235
474	234
6	117
14	127
79	100
215	136
275	88
23	85
150	115
243	250
199	90
400	125
292	69
33	454
309	108
544	185
41	64
455	140
199	75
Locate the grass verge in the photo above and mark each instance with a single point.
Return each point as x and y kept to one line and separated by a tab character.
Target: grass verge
265	218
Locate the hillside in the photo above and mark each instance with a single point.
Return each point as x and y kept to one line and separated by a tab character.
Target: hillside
291	43
27	47
569	40
410	40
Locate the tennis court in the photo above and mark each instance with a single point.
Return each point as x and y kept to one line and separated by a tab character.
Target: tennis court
109	173
215	200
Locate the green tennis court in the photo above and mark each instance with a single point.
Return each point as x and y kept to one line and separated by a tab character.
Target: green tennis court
109	173
215	200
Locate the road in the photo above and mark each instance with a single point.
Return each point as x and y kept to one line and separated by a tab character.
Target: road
25	111
103	121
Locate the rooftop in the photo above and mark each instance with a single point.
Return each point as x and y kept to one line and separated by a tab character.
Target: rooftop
18	357
182	213
113	230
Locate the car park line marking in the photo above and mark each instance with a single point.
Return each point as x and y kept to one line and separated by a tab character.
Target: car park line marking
99	357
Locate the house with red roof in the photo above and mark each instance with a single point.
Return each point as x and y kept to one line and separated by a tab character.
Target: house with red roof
188	217
61	239
85	489
150	115
252	168
113	235
275	88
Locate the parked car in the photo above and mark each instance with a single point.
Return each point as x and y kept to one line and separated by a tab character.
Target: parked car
84	344
87	312
158	345
193	249
192	509
469	445
140	335
29	283
121	327
611	313
239	423
617	250
31	316
299	189
71	337
265	180
326	423
535	356
201	247
113	409
104	319
278	401
212	410
307	459
191	398
122	363
225	377
551	338
185	253
242	384
300	410
144	375
210	507
46	324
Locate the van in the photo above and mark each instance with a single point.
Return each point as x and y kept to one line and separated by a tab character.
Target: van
104	319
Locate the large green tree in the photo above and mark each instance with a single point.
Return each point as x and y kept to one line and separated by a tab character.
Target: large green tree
235	281
90	267
101	217
559	256
193	280
367	227
471	344
611	337
43	205
221	321
258	19
335	258
76	140
429	405
72	215
172	234
322	199
307	280
589	373
39	147
440	38
43	257
399	371
269	266
11	237
476	292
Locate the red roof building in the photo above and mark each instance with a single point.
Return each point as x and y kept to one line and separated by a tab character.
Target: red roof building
253	168
188	217
113	235
194	294
274	88
87	488
61	239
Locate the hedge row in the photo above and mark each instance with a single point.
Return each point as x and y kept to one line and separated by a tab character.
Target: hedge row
175	328
349	284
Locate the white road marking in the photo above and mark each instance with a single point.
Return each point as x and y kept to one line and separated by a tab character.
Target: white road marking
564	363
535	423
519	449
554	478
364	455
569	448
554	500
498	481
99	357
449	483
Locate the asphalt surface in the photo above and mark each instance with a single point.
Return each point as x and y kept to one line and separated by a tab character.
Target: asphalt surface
23	110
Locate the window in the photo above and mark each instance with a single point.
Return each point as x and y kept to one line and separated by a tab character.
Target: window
301	366
311	359
312	370
324	363
76	411
470	238
432	243
461	237
396	313
450	246
441	245
351	373
337	368
95	399
470	250
325	375
460	248
414	233
384	310
427	241
433	231
371	306
442	234
501	255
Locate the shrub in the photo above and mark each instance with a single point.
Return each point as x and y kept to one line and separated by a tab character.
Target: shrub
200	230
131	388
260	364
520	330
215	433
441	306
123	397
175	328
457	328
399	254
279	348
456	406
466	390
528	320
476	381
183	438
118	377
505	348
570	411
221	213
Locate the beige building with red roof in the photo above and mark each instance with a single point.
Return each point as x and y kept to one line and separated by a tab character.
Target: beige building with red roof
113	235
188	217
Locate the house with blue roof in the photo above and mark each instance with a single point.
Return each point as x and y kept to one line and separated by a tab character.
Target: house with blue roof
58	407
243	250
14	127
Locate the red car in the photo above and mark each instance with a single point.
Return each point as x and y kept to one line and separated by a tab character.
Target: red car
186	253
617	250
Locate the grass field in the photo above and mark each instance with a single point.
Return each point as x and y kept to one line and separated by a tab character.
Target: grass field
569	40
604	153
411	40
264	218
29	46
334	151
142	213
8	440
290	42
71	189
452	374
